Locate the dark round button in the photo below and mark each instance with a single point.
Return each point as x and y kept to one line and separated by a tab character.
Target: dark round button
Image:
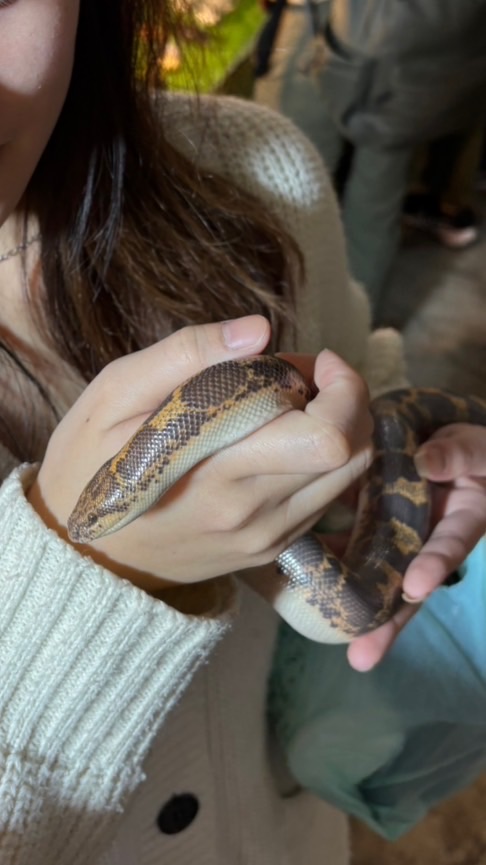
178	813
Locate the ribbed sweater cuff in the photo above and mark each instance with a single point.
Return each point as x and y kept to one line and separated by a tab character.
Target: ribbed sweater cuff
90	665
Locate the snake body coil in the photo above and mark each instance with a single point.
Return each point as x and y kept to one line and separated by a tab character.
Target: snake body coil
325	599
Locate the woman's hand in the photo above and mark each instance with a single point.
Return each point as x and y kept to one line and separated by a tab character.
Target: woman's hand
234	511
454	457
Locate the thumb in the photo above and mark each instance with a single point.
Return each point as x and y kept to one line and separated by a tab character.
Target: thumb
137	383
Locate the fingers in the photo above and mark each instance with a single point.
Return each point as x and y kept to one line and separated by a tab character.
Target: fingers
344	398
241	505
341	405
315	495
455	453
335	425
338	422
293	511
458	450
365	652
451	541
292	468
461	527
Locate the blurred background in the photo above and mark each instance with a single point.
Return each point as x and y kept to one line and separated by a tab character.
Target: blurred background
421	258
393	95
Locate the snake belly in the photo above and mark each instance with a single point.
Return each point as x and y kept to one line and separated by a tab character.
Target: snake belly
325	599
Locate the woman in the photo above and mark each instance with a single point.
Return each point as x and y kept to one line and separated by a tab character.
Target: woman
131	227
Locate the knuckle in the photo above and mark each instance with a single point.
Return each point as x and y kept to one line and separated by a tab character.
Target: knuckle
354	389
259	545
253	535
451	548
463	461
108	381
327	447
266	539
232	518
454	458
195	346
188	345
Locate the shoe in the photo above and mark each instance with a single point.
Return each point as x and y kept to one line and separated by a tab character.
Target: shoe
459	229
454	229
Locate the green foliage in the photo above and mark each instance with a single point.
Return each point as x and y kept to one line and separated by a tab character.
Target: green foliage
210	59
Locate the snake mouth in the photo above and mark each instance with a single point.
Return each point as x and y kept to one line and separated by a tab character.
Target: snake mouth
82	532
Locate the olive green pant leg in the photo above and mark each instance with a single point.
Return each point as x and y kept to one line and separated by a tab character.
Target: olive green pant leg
372	206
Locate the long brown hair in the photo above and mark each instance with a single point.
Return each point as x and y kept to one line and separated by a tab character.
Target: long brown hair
131	232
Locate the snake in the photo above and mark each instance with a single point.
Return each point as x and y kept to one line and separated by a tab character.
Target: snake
325	598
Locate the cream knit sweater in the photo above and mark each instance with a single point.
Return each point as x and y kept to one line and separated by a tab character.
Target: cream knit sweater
103	687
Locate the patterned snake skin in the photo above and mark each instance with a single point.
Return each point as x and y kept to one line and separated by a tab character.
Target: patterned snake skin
320	596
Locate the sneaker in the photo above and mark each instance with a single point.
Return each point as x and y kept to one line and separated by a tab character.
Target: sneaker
455	229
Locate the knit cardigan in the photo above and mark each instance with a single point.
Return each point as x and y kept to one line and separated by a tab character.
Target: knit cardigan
132	733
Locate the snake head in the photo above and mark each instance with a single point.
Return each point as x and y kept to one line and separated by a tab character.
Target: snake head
85	531
101	508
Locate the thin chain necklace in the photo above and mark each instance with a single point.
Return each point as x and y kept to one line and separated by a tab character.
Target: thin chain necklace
21	247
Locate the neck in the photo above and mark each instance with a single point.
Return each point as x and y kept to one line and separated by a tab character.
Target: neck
15	230
10	234
18	285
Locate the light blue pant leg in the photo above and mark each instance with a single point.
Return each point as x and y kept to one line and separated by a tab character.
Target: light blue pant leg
372	206
390	744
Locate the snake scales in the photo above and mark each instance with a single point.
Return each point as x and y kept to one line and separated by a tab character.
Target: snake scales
325	599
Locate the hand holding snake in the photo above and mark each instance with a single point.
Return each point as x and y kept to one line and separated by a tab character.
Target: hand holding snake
455	460
238	509
323	598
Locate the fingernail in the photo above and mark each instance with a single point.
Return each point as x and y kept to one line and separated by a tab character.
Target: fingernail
239	333
428	460
410	600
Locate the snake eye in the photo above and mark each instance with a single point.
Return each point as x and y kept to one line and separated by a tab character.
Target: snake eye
91	519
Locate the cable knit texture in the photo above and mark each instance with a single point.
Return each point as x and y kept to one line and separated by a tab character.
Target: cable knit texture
90	665
103	686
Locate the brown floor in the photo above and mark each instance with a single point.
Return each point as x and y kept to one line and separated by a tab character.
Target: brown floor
454	834
438	299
